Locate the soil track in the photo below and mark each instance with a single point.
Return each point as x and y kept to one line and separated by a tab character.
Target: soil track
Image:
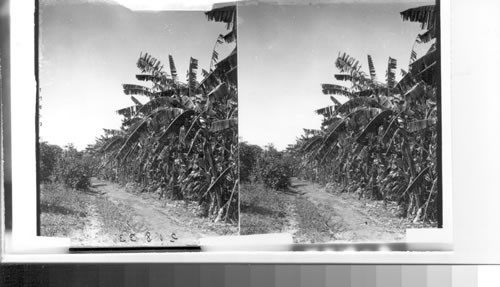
141	219
353	219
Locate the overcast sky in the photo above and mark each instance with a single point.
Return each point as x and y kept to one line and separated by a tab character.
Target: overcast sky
89	50
286	52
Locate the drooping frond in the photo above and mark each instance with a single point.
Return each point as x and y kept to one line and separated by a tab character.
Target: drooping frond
127	112
406	82
193	68
391	72
343	77
425	67
370	91
330	139
371	67
347	64
225	14
415	92
350	105
362	115
218	92
175	125
312	132
416	182
228	63
425	15
391	128
112	132
222	125
373	126
426	37
204	73
136	101
112	143
155	103
331	123
335	101
413	56
326	111
148	64
331	89
132	138
420	125
311	144
218	181
195	125
148	77
129	89
173	70
215	54
230	37
232	76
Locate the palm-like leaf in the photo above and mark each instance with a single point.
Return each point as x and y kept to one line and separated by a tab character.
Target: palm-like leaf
343	77
420	125
330	139
373	126
225	14
175	125
129	89
416	182
136	101
149	64
331	89
391	72
347	64
223	125
173	70
193	68
371	67
425	15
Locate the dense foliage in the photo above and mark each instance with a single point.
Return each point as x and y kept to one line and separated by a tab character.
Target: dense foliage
49	156
382	140
74	168
181	143
274	169
248	159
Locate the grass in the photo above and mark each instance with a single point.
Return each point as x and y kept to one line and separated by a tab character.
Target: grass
262	210
265	210
312	225
62	210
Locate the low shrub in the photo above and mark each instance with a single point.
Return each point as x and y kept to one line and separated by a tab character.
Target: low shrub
274	169
74	169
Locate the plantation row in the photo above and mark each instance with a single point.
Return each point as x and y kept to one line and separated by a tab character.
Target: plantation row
181	143
381	141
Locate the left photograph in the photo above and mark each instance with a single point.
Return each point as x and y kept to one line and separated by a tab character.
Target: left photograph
137	124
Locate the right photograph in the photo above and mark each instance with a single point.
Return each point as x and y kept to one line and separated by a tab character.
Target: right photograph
339	120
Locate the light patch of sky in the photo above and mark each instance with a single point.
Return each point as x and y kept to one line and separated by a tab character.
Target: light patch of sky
287	51
88	50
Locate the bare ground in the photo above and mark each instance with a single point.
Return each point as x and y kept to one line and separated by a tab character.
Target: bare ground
348	217
119	216
313	215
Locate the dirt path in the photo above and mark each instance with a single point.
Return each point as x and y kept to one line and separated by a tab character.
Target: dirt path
119	216
354	220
